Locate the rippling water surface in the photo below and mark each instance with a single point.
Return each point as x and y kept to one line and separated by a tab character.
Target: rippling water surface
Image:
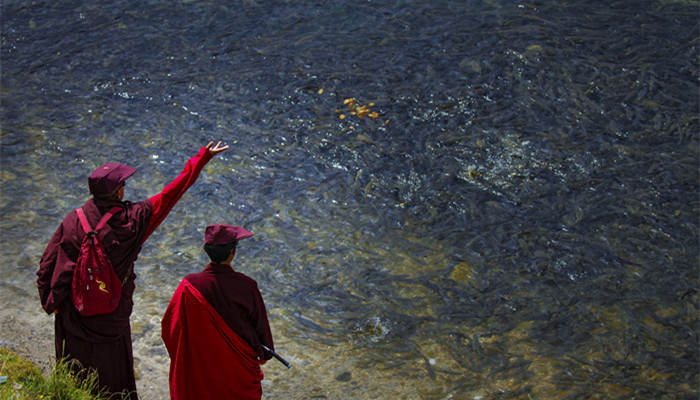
519	219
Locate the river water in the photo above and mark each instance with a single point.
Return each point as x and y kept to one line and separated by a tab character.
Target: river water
519	219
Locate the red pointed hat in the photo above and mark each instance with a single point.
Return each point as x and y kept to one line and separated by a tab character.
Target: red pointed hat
224	234
107	178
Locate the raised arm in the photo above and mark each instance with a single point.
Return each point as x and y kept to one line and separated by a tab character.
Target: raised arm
164	201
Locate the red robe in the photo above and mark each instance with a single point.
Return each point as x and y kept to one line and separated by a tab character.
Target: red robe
208	360
103	342
237	299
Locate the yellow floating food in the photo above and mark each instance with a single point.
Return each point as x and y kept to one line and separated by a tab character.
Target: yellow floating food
360	110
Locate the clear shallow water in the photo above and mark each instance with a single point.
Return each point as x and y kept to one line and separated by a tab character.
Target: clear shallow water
525	224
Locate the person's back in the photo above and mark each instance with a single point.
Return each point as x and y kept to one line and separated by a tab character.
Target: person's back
225	345
237	299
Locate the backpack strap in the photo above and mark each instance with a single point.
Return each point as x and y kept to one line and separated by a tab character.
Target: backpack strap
106	218
83	220
86	225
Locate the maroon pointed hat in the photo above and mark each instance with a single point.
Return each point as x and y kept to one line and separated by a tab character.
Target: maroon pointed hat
107	178
224	234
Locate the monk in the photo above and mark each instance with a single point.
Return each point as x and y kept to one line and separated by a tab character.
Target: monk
103	342
215	325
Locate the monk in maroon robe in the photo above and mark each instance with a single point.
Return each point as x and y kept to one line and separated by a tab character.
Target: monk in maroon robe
215	325
103	342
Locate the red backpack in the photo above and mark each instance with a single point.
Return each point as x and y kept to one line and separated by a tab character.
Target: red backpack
96	288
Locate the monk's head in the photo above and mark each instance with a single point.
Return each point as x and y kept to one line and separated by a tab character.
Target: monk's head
221	240
107	181
222	253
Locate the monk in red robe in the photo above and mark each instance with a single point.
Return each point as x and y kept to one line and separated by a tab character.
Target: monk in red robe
215	325
103	342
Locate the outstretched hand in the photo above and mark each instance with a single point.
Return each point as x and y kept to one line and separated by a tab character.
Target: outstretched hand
214	150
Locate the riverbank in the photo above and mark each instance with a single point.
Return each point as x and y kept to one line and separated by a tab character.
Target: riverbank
29	333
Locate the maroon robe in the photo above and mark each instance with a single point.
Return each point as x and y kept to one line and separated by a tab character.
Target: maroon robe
103	342
208	360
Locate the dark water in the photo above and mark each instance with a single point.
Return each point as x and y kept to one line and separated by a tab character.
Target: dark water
520	220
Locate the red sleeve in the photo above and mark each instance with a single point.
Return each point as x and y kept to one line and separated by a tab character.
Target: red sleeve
164	201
